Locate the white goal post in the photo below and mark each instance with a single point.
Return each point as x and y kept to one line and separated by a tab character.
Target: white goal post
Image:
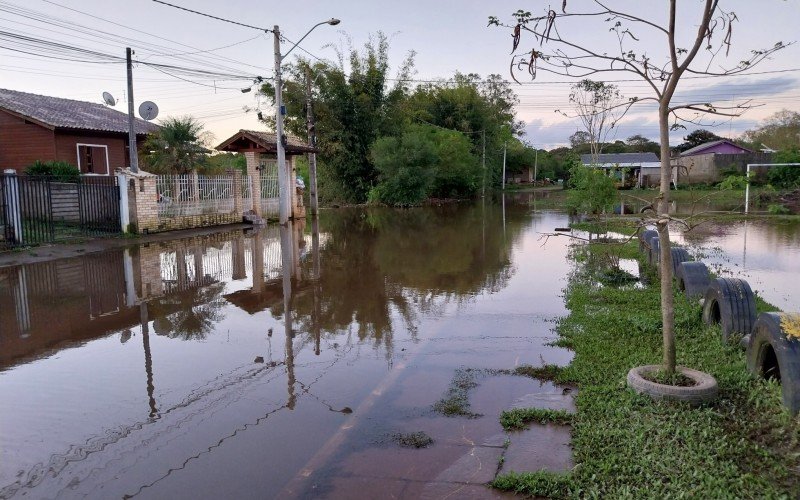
747	189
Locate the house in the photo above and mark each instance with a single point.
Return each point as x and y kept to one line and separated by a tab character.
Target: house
523	176
91	136
711	161
630	169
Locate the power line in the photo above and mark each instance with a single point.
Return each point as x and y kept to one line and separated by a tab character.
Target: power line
214	17
127	40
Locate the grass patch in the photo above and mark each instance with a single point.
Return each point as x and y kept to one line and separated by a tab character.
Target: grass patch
743	445
662	377
413	440
546	372
545	484
519	418
455	402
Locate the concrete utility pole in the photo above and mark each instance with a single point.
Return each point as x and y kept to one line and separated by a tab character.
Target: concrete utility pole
312	142
285	195
535	163
505	148
483	189
133	153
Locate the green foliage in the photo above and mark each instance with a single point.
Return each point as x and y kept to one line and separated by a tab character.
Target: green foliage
733	182
786	176
592	191
519	418
60	171
779	131
178	147
424	161
406	167
222	162
777	209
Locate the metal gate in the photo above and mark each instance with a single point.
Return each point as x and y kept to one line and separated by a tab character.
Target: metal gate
43	209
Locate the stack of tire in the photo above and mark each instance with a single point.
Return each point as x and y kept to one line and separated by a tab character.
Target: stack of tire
771	339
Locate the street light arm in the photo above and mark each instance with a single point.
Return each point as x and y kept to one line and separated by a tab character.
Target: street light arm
332	22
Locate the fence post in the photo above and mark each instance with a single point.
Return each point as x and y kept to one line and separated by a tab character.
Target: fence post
124	210
13	210
195	186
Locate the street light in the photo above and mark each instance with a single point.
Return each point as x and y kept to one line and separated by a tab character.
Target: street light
287	193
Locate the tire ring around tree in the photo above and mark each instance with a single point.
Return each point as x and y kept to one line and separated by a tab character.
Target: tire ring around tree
679	255
693	279
653	254
730	302
773	354
704	390
644	239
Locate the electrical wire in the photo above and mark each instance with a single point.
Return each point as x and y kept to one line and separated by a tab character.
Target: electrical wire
214	17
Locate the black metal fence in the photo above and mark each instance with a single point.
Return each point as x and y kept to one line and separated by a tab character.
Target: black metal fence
43	209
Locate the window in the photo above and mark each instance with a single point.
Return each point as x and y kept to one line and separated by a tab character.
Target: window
93	159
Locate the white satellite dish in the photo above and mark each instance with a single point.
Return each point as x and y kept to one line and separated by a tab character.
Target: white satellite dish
148	110
109	99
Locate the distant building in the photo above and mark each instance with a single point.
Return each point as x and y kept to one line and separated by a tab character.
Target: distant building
91	136
629	169
708	162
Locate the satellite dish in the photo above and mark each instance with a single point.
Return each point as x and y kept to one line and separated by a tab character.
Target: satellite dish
109	99
148	110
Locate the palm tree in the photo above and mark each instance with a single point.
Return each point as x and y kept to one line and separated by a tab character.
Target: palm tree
178	147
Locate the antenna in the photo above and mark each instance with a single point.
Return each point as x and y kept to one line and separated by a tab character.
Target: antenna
109	99
148	110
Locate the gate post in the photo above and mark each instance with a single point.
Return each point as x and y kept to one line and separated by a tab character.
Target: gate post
13	211
124	211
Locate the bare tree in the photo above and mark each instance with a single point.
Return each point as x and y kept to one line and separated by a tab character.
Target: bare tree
711	33
598	106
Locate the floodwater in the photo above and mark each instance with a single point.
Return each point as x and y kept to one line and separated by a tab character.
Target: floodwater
283	363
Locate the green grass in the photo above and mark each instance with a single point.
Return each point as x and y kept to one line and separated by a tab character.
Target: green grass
455	402
743	445
519	418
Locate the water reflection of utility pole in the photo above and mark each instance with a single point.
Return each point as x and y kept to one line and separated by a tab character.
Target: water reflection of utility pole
148	360
317	282
503	197
483	229
180	263
287	260
744	249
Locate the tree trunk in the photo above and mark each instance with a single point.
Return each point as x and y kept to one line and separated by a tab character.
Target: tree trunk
665	259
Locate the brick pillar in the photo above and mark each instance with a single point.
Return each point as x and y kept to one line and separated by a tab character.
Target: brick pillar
146	204
255	177
237	191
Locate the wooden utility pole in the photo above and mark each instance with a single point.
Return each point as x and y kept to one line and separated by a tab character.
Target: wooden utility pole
133	153
312	143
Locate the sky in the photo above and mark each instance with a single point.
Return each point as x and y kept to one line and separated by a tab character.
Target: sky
446	35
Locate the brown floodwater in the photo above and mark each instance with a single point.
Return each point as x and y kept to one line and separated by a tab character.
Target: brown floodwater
284	363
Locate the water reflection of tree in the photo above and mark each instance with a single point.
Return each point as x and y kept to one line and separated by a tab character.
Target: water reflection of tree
378	263
189	314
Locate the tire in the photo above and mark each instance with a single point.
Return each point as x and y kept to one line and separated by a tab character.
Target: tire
772	354
679	255
653	254
731	303
693	278
704	390
647	237
644	239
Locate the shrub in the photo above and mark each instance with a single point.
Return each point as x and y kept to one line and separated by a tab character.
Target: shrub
60	171
405	167
787	176
777	209
733	182
592	190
